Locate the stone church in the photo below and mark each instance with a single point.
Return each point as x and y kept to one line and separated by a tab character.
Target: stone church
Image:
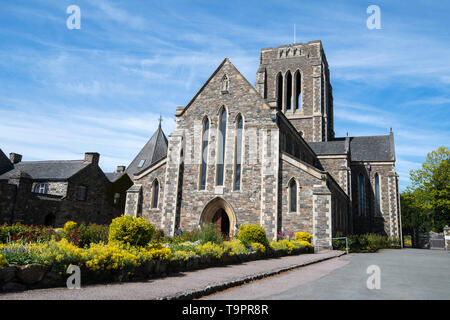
267	155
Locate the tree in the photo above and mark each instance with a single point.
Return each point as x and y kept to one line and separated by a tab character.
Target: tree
414	219
430	190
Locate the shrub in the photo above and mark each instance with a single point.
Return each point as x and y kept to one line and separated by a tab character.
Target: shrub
208	233
367	242
210	249
258	247
3	261
253	233
183	255
234	246
93	233
303	236
132	230
25	233
69	226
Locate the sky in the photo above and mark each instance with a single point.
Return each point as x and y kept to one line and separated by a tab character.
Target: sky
102	88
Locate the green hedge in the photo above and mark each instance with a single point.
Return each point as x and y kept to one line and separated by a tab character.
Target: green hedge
368	242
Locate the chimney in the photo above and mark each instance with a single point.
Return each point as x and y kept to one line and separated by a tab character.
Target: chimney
120	169
15	157
92	157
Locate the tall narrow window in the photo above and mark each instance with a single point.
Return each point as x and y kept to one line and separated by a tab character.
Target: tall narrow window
204	154
377	194
279	91
222	139
361	195
293	196
288	90
155	189
237	175
298	90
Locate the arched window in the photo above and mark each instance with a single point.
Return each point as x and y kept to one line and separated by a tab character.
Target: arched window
221	150
292	196
279	91
377	194
361	195
288	90
155	193
203	168
297	90
237	172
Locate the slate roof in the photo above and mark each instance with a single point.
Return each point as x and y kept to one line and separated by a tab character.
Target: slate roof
370	148
5	163
113	176
154	150
373	148
328	147
47	170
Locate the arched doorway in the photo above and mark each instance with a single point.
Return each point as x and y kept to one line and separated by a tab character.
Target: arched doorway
219	213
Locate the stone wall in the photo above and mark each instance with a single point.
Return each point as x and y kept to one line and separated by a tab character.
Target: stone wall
250	204
387	221
314	117
57	188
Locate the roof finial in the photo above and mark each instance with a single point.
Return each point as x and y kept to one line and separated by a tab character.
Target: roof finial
390	130
347	133
160	120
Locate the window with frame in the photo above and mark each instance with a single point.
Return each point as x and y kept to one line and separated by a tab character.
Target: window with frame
221	150
292	196
203	167
155	194
377	195
361	195
41	187
238	168
82	193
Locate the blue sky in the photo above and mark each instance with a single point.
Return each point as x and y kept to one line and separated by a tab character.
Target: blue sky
102	88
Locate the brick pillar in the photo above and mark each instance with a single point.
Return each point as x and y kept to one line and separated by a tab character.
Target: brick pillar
269	182
322	222
172	175
133	200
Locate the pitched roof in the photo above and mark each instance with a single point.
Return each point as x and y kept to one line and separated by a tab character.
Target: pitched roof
370	148
5	163
328	147
47	170
113	176
373	148
154	150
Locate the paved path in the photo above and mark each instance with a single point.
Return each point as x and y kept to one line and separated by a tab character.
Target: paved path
184	283
405	274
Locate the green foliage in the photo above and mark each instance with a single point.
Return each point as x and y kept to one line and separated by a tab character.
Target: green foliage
132	230
427	201
93	233
206	233
367	242
25	233
250	233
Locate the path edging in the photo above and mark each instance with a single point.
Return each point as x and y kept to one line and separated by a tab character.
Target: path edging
210	289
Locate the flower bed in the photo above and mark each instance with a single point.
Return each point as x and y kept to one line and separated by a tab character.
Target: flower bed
27	265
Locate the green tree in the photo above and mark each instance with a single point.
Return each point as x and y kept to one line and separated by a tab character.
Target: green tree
431	188
414	219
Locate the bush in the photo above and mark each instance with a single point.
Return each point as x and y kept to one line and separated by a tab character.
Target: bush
25	233
93	233
70	226
132	230
303	236
206	233
367	242
253	233
234	246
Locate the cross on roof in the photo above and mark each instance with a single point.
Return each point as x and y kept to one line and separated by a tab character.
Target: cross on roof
160	120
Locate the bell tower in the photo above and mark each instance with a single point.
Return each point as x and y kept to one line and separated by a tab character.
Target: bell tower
296	79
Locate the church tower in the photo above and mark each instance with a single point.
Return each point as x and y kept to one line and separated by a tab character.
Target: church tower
296	79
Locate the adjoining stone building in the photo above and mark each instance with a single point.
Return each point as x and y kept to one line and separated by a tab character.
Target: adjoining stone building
53	192
268	155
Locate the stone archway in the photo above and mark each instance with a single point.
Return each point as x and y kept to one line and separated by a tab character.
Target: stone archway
220	213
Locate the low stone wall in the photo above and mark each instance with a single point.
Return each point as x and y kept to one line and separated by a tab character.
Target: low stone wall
20	278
